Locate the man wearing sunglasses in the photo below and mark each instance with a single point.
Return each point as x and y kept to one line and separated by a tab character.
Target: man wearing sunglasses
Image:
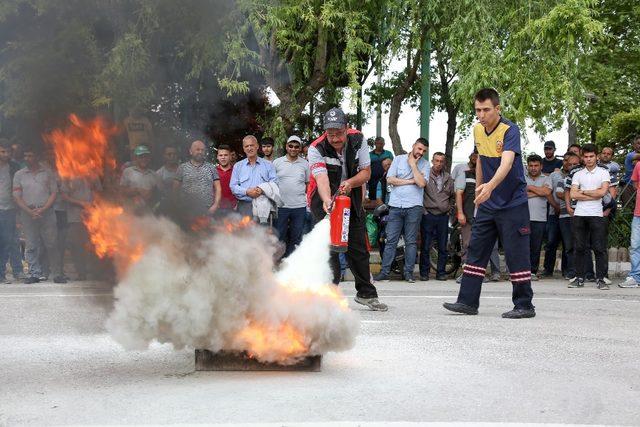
293	175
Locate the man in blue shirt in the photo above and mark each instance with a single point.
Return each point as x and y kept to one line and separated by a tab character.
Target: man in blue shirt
248	174
503	210
631	159
407	176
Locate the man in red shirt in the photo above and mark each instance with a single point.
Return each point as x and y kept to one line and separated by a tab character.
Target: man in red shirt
227	201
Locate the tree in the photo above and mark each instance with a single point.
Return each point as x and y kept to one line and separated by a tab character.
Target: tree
530	55
300	47
609	72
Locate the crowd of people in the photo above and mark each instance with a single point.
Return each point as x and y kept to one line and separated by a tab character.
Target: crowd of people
570	202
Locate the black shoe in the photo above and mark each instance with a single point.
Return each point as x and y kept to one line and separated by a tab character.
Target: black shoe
31	280
441	277
381	277
59	279
458	307
409	278
424	278
519	313
578	283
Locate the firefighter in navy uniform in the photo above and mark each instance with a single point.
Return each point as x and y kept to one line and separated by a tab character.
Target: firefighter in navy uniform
339	162
503	211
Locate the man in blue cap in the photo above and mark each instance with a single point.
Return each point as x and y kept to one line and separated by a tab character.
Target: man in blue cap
339	162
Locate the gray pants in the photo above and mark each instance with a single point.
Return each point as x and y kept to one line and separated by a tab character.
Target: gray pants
40	232
78	241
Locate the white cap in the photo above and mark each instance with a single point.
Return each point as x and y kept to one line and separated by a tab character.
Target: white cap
295	138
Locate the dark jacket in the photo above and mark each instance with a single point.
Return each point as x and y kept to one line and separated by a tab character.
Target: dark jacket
334	171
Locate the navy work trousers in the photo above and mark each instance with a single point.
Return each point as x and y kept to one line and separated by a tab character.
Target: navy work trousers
513	228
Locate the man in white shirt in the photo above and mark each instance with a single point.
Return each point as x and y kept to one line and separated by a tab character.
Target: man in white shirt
588	186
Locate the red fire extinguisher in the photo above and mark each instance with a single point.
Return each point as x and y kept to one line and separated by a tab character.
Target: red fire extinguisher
339	220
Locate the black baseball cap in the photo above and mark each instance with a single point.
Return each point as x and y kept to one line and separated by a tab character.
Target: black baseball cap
550	144
335	119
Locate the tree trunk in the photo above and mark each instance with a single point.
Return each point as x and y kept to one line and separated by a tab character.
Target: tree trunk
395	105
573	131
452	123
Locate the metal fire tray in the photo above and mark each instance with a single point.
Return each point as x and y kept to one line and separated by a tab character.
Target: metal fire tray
227	361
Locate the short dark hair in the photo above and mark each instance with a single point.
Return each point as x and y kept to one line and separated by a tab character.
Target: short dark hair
570	154
439	153
30	149
224	147
423	141
169	146
267	141
573	145
5	143
589	148
532	158
378	138
487	93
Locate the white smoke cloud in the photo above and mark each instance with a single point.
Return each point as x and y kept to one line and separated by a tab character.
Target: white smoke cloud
206	292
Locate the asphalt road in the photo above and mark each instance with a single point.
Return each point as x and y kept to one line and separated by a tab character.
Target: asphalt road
577	362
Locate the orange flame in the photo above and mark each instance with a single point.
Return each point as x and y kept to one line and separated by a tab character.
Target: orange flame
262	340
111	234
82	149
230	226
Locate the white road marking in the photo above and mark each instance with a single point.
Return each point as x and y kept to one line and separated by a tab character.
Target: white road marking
110	294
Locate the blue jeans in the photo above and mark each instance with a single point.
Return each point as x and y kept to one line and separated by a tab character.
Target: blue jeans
434	226
8	243
635	249
399	219
554	237
290	226
535	243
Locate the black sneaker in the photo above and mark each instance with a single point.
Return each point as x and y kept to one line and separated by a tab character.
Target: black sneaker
602	285
519	313
424	278
458	307
31	280
409	278
578	283
441	277
59	279
381	277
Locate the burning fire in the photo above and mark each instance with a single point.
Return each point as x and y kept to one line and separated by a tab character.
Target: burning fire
82	149
111	233
263	340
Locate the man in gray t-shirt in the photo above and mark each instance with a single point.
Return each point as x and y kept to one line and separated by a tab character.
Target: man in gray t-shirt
293	176
34	191
538	192
198	182
140	184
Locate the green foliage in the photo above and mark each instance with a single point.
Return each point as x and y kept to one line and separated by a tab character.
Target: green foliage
609	72
620	130
125	76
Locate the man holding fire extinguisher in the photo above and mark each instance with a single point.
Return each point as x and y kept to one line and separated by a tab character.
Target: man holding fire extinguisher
340	164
